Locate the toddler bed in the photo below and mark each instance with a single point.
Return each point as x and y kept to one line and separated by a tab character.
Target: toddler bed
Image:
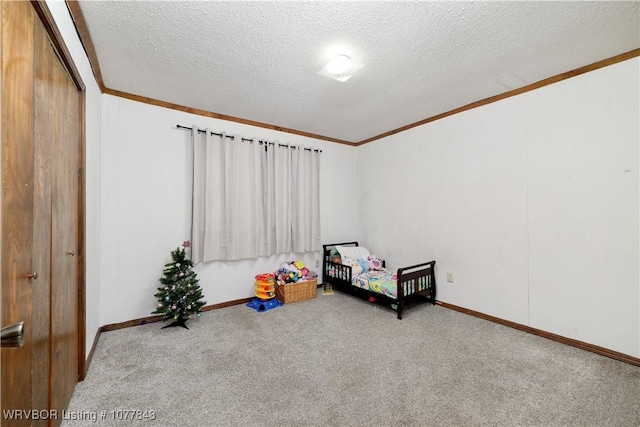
351	268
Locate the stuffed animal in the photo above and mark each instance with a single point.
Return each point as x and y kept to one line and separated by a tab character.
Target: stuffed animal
364	264
286	266
374	263
334	255
291	272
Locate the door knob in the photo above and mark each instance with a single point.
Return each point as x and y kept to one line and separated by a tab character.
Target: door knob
71	253
33	275
13	335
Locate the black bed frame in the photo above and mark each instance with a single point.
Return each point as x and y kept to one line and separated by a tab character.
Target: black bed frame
413	281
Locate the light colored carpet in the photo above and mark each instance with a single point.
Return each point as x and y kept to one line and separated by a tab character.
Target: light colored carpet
341	361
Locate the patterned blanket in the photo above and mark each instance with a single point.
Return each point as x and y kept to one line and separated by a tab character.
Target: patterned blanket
380	281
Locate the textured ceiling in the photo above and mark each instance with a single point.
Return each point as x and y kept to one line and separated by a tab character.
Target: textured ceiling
259	60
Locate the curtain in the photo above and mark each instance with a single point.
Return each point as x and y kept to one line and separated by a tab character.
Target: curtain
305	231
278	198
229	221
198	200
252	199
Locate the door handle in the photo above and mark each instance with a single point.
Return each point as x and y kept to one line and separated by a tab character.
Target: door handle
33	275
13	335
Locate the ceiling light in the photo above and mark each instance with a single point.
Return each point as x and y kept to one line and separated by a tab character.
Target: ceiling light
338	65
341	68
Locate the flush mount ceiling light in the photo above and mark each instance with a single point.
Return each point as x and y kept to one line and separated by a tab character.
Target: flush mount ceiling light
340	68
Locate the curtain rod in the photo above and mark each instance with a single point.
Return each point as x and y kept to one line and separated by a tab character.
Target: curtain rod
247	139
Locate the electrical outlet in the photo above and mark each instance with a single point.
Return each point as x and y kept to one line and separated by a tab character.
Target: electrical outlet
317	263
450	277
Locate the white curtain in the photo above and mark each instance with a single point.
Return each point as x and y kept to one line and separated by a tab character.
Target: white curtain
278	198
229	221
306	200
249	201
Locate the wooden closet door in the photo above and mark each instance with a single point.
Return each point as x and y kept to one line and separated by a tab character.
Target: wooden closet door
44	128
64	237
17	198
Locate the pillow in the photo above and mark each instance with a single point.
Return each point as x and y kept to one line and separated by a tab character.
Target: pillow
354	264
354	252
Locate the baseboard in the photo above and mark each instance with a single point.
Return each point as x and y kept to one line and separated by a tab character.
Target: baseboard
226	304
130	323
159	317
559	338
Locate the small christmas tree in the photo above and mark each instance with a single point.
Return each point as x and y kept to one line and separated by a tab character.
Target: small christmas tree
179	294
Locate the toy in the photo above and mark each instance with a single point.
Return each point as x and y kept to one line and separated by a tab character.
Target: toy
294	271
327	288
335	257
264	293
374	263
259	305
265	286
364	264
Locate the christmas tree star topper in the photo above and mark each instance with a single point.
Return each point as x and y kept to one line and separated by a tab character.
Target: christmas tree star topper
186	244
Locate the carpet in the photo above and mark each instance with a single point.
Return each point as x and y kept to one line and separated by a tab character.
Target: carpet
341	361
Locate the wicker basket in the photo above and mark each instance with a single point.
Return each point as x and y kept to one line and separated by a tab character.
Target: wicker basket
294	292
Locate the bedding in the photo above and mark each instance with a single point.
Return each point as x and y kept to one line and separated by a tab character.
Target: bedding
382	282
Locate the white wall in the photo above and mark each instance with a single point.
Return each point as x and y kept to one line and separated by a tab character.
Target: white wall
531	202
93	105
146	199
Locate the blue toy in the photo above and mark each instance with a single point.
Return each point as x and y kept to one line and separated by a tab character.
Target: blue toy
259	305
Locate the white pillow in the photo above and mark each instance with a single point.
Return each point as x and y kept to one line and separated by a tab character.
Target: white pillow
354	252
